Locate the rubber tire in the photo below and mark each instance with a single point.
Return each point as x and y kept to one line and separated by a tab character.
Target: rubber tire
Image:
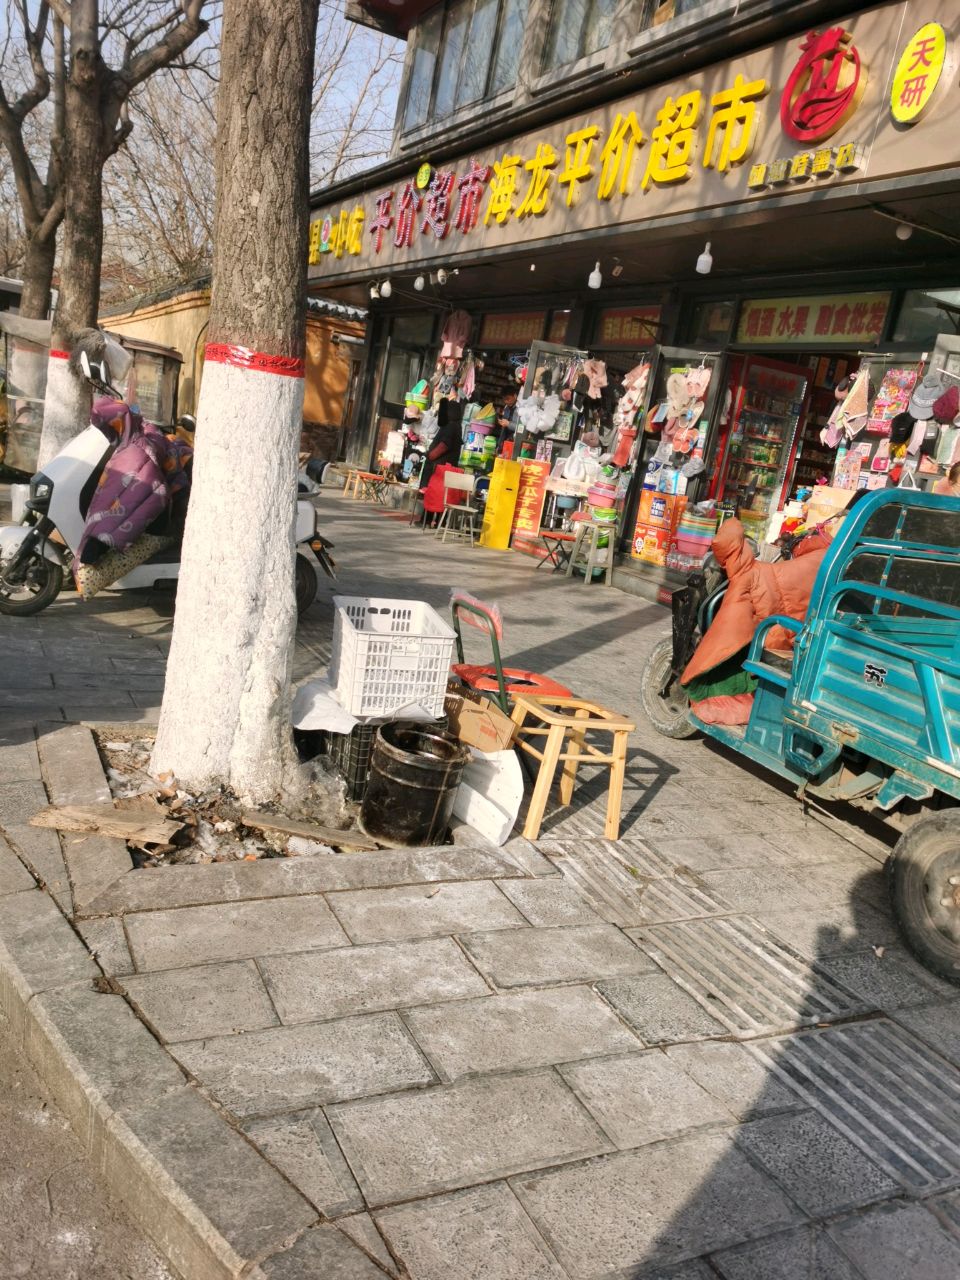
668	723
307	584
907	869
44	597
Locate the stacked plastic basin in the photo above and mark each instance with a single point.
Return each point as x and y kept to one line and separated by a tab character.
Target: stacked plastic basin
695	533
602	497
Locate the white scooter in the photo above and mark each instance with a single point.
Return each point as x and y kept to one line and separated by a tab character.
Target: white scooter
32	564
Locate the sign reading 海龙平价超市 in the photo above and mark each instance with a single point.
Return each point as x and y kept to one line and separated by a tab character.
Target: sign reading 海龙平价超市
842	319
812	111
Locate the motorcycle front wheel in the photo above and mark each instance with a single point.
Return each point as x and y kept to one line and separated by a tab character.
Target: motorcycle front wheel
40	587
307	584
667	713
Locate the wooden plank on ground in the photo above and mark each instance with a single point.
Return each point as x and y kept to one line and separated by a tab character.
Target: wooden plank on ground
105	820
309	830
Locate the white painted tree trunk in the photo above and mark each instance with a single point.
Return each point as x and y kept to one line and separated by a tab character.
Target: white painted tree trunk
66	408
226	706
226	713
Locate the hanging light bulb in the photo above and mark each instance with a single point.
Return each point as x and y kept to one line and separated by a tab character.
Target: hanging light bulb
705	262
420	284
386	289
595	279
441	276
904	231
374	290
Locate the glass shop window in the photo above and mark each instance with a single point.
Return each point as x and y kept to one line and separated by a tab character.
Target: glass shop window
710	322
579	28
465	52
925	313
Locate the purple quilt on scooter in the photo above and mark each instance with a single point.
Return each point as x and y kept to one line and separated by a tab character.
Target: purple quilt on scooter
138	484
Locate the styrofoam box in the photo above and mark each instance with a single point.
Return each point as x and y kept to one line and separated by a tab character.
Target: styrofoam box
388	655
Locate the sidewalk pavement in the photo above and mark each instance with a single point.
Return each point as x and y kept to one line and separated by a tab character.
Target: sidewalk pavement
697	1051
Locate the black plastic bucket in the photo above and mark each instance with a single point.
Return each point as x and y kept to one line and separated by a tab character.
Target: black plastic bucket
414	775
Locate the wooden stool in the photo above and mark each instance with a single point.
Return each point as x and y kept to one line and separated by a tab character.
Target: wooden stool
571	719
353	483
588	555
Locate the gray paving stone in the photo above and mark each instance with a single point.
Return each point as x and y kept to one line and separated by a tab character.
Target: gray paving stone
657	1205
891	981
419	911
938	1025
480	1234
479	1130
719	853
816	1165
14	876
231	931
285	1069
210	1000
362	1230
246	1200
524	1029
386	975
525	855
686	1271
20	800
573	953
323	1251
40	850
94	863
19	761
43	947
819	934
854	875
756	889
72	767
642	1097
172	887
898	1242
108	945
95	682
805	1254
304	1149
25	676
91	1046
34	701
659	1010
548	902
730	1074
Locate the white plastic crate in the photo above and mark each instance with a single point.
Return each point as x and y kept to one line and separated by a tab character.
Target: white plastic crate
389	654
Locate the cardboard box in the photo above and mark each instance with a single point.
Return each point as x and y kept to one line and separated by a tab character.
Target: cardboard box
662	510
651	544
478	722
826	501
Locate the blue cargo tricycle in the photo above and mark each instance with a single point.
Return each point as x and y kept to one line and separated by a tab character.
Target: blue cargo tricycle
868	710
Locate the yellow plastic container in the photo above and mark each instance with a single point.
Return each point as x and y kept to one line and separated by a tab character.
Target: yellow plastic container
501	503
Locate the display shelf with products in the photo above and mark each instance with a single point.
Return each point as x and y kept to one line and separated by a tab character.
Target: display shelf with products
769	409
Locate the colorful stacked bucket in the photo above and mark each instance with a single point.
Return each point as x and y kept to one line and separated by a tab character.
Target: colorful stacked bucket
695	533
602	497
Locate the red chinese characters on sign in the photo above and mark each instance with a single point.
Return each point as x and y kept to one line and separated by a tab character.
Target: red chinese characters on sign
511	329
531	492
630	328
410	204
382	220
824	87
470	189
436	213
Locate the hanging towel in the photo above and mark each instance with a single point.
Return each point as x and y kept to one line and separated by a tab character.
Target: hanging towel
456	335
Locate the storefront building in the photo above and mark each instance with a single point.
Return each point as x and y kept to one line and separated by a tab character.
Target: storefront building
730	239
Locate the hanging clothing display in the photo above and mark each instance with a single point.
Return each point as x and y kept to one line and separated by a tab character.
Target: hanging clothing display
456	335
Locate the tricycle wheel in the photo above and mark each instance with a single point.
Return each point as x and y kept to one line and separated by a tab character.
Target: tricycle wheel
668	713
924	876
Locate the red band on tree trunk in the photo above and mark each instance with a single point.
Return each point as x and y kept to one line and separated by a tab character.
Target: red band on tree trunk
244	358
57	354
